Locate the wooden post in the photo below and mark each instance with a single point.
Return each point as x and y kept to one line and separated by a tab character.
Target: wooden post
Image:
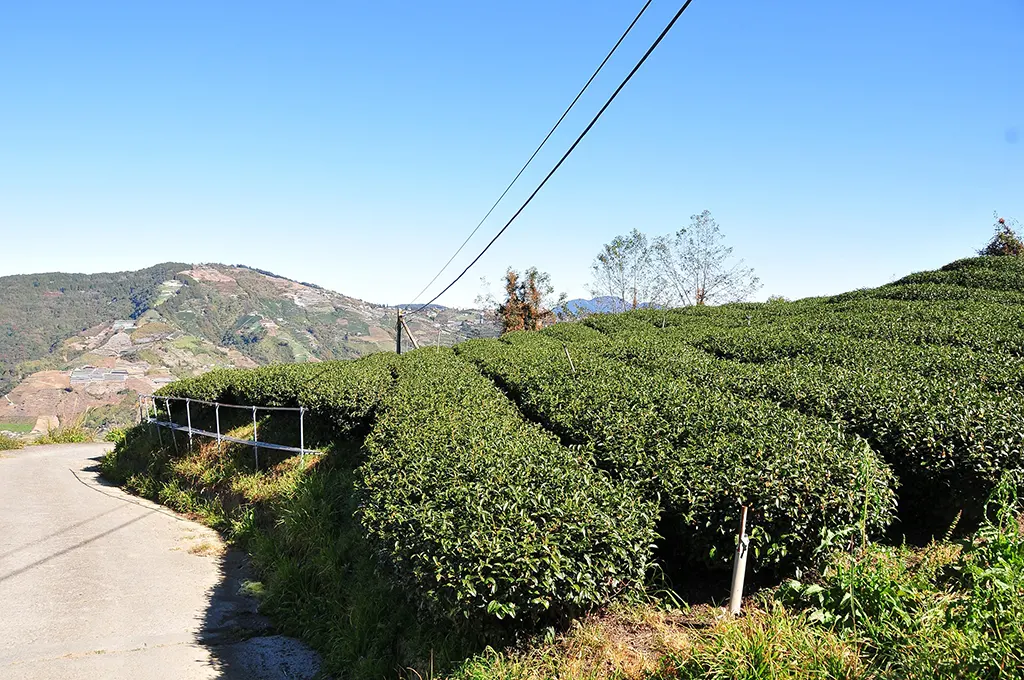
412	338
398	332
739	566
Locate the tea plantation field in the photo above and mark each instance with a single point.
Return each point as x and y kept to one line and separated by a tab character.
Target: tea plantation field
511	484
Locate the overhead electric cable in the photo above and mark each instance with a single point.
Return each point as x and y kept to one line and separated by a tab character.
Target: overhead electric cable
579	139
539	147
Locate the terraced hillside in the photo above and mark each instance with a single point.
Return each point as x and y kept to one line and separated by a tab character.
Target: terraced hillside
515	482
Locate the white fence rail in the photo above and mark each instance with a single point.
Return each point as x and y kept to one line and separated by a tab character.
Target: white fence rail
149	413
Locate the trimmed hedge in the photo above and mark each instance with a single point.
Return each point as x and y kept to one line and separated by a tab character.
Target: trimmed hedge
343	393
702	450
948	421
485	516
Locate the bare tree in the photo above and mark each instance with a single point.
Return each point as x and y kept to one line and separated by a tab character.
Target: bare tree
626	271
697	265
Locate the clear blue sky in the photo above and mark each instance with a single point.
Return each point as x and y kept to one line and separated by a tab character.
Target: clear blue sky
356	144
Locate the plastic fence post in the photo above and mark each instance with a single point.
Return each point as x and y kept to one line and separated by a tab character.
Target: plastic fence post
216	412
739	567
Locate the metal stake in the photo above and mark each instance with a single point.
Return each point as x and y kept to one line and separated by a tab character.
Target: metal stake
302	437
255	439
571	365
167	403
156	416
216	412
739	566
188	415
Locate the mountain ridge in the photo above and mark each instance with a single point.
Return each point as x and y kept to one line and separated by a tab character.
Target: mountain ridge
175	320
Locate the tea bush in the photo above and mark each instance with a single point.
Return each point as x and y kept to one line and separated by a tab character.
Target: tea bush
703	451
484	515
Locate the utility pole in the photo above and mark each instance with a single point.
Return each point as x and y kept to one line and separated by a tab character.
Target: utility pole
398	332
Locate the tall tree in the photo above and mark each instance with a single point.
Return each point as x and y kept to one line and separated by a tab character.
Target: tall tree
528	304
698	266
626	271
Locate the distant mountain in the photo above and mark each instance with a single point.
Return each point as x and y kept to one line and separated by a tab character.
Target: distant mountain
598	305
129	332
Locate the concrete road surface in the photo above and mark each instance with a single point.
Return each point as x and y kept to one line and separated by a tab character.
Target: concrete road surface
95	583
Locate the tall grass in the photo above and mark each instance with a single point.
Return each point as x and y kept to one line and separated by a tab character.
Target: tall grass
9	443
70	434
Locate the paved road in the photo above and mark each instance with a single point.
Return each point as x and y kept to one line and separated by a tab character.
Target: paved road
95	583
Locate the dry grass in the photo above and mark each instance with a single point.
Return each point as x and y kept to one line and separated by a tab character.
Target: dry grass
624	643
206	548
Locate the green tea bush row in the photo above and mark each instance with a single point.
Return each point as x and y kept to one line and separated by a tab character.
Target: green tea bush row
344	393
948	438
702	450
483	515
994	371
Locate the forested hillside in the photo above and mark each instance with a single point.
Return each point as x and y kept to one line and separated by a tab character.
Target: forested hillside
39	311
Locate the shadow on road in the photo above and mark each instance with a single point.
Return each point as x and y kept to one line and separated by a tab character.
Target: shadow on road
242	641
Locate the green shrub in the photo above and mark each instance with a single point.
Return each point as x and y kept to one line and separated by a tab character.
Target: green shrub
70	434
9	443
703	451
343	393
939	612
948	420
483	515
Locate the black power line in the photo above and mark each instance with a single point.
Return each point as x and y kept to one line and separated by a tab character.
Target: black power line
572	148
539	147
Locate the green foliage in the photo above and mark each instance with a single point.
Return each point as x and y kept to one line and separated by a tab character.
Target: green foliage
932	386
702	451
18	425
10	443
116	435
66	434
948	610
319	578
530	493
772	645
343	393
484	515
1005	241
